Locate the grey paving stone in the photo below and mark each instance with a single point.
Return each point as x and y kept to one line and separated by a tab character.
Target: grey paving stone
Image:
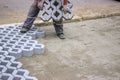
39	48
17	53
14	45
54	11
6	76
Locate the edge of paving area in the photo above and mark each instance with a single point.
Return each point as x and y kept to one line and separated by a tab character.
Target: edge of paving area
90	12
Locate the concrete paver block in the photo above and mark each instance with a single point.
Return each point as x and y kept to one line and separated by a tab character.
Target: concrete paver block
21	72
7	38
10	70
8	45
6	76
14	39
15	64
18	77
32	34
14	45
17	53
23	40
20	43
4	40
39	49
53	9
2	43
5	53
6	48
32	41
27	51
17	46
2	57
18	36
5	62
2	69
27	37
40	33
10	35
10	58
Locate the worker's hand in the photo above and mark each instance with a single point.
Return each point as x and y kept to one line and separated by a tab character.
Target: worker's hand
40	4
66	8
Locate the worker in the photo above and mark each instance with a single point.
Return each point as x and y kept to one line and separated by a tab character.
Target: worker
33	12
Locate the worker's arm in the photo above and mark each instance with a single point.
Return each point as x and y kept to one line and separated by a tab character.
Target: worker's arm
65	6
39	0
40	4
65	2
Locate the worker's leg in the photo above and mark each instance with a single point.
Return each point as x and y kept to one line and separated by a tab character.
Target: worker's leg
33	12
58	25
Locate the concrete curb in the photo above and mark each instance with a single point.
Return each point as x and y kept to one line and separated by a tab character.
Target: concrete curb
75	19
78	18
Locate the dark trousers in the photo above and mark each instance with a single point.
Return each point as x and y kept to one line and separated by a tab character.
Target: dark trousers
33	12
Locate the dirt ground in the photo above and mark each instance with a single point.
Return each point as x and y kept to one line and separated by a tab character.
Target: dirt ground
91	51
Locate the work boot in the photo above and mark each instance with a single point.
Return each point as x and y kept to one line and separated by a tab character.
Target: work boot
61	36
24	29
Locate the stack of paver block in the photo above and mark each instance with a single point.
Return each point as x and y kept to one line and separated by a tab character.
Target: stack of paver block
14	45
53	10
